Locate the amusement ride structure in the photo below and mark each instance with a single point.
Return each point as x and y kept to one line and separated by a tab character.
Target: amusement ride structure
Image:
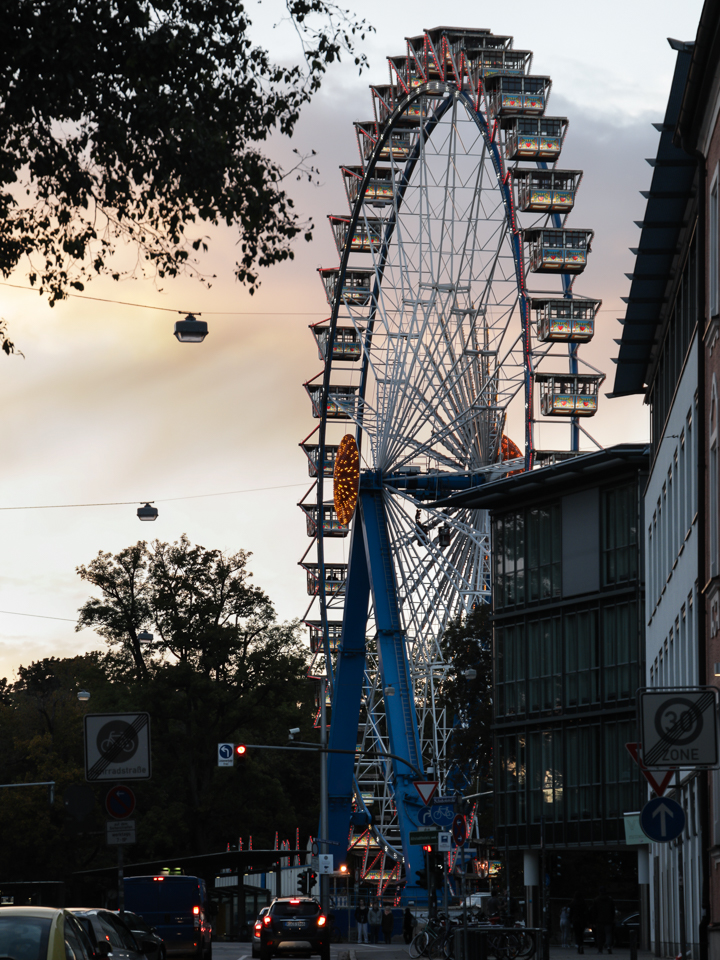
434	348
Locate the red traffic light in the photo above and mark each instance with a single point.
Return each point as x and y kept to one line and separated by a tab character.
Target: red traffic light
427	847
240	750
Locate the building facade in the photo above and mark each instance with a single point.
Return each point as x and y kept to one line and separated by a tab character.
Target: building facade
568	608
660	357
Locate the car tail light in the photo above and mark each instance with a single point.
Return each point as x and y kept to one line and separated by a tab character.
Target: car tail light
267	921
158	878
294	901
258	926
322	920
196	911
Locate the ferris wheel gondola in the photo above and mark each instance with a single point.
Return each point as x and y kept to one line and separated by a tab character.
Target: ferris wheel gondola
430	355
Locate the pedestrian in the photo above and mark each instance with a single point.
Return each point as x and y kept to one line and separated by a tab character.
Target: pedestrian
578	920
604	909
361	918
565	926
408	925
375	920
387	923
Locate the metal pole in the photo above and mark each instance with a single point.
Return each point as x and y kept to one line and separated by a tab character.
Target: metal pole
681	879
464	900
323	793
121	882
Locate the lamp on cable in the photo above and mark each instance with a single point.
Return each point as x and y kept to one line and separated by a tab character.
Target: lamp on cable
191	330
147	512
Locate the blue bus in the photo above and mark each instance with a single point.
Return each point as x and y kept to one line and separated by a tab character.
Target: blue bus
178	909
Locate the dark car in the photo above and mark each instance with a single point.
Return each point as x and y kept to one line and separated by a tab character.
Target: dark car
178	908
257	927
623	929
294	925
109	935
143	932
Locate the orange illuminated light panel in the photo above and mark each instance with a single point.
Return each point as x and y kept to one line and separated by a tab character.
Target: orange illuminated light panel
346	479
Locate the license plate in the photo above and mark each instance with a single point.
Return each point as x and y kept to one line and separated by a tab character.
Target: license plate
295	925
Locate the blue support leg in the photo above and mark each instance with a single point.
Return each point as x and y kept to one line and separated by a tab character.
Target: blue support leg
395	673
350	670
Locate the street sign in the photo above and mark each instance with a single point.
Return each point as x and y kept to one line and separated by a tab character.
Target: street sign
678	727
117	746
226	754
419	838
662	819
426	789
322	862
120	831
459	830
444	841
120	802
659	786
438	814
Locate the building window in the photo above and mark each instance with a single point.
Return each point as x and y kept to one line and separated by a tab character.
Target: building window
619	534
621	791
619	651
545	664
544	552
528	549
511	669
583	772
582	666
545	775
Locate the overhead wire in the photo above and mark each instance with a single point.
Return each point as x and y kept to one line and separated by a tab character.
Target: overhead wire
128	503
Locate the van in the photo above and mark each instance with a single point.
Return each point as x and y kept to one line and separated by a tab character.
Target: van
178	909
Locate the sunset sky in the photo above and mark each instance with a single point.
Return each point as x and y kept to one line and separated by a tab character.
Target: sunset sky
107	406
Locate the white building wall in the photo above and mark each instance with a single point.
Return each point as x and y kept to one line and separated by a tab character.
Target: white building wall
671	648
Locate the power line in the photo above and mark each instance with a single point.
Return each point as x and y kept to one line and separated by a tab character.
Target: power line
196	313
131	503
40	616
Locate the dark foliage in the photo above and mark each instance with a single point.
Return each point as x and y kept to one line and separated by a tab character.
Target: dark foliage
220	669
142	122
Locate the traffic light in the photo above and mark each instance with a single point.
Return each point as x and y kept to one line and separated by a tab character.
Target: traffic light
422	879
311	880
240	750
302	883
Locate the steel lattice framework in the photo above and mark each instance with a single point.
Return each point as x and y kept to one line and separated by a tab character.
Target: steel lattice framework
429	348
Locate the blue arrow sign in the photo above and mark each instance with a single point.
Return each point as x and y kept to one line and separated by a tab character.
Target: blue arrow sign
662	819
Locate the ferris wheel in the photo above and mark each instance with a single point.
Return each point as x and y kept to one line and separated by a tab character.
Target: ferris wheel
435	350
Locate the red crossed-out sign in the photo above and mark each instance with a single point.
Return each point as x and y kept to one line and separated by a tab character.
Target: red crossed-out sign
659	788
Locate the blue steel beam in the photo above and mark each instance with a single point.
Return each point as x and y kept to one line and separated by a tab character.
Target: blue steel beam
394	672
349	674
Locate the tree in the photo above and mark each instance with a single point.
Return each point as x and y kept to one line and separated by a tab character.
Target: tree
220	668
467	646
141	121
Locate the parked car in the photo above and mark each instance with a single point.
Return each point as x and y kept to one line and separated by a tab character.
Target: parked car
108	934
257	926
142	931
42	933
624	927
294	925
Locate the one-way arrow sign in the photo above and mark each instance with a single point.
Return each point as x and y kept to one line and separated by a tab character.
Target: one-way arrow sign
662	820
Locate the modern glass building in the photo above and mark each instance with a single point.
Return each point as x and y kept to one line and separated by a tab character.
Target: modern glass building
568	648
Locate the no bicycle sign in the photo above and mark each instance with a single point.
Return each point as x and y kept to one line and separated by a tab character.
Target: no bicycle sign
117	746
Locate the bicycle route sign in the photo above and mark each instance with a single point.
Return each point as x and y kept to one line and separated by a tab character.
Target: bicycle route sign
438	814
117	746
678	727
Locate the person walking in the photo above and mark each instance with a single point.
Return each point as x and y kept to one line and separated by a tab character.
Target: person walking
361	918
388	922
375	920
565	926
604	920
408	925
578	920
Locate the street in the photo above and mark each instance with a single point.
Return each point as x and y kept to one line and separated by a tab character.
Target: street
394	951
